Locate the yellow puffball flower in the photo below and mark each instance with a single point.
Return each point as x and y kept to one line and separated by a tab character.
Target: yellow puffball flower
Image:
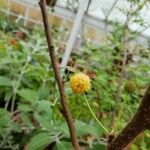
80	83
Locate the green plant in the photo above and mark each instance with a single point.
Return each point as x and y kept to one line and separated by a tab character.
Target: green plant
29	99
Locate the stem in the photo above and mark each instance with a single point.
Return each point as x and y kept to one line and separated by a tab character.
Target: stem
17	86
66	111
19	79
94	114
123	71
120	113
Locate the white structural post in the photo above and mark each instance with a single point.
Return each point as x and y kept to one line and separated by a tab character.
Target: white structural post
26	15
82	8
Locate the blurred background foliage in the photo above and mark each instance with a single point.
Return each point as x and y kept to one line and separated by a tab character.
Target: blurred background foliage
31	116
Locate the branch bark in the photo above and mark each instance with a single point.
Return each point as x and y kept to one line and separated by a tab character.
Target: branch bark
66	111
139	123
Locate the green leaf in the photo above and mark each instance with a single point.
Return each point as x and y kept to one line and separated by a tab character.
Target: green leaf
44	114
63	146
44	106
44	120
16	127
43	92
83	129
4	118
5	81
39	141
64	129
134	147
28	95
97	146
3	112
24	108
26	120
8	95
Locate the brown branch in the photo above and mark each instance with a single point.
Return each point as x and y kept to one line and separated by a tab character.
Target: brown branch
66	111
139	123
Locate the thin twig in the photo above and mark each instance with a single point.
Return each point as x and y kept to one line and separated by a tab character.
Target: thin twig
16	87
108	13
117	96
121	77
125	41
89	3
111	9
66	111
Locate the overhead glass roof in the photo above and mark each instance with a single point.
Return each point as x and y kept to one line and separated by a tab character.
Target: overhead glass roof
101	8
112	8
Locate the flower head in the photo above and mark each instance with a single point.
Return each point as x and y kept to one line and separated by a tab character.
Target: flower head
80	83
130	86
